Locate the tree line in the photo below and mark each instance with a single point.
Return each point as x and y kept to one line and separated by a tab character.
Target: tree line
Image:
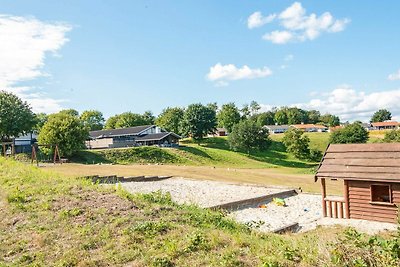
69	129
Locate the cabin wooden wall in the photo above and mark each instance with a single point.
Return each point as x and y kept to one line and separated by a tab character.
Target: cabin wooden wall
361	208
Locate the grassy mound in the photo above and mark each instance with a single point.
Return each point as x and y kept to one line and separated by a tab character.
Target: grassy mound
49	220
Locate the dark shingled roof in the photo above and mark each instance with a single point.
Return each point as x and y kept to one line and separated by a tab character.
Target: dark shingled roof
369	162
154	137
117	132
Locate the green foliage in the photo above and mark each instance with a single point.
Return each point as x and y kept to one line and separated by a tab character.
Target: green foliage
228	116
16	116
381	115
297	143
92	119
392	136
352	133
67	131
281	116
129	119
313	116
170	119
265	118
247	136
330	120
296	116
356	249
70	112
198	121
197	241
40	120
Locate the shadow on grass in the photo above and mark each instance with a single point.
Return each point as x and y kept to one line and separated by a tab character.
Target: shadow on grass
89	157
195	151
276	154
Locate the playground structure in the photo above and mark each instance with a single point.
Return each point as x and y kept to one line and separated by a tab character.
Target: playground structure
39	156
8	149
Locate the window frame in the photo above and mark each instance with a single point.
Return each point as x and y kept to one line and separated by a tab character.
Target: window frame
390	203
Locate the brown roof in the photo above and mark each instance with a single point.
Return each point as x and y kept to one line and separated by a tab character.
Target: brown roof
385	123
370	162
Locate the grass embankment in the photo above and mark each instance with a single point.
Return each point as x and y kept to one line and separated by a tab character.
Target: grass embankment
50	220
211	152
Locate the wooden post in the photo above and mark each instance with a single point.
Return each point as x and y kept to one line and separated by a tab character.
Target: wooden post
346	199
335	209
323	188
341	213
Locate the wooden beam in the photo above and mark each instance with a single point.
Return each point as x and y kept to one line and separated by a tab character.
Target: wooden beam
323	192
346	199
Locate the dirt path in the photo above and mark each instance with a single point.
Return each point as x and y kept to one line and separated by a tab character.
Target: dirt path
281	176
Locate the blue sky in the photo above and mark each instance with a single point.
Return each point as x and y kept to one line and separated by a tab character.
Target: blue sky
118	56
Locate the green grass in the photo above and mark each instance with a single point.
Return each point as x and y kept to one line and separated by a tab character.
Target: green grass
50	220
211	152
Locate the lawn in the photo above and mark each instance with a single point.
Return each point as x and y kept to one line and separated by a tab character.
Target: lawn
48	219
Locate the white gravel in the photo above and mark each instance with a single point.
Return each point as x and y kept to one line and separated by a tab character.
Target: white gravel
203	193
303	209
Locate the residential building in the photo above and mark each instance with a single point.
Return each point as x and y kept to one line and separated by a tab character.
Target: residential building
133	136
276	129
385	125
310	127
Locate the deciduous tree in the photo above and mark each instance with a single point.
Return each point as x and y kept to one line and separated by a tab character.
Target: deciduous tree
228	116
248	136
352	133
198	121
170	119
92	119
381	115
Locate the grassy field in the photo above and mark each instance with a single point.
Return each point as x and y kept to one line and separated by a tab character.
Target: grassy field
48	219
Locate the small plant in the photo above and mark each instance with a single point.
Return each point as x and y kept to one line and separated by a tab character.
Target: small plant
162	262
151	228
71	212
197	241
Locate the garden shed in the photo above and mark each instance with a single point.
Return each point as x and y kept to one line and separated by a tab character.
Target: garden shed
371	181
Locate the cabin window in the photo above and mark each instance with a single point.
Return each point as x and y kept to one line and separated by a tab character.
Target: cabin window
381	193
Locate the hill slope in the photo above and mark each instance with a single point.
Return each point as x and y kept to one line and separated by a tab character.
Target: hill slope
50	220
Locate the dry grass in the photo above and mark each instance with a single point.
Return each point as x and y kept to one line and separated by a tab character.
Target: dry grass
275	177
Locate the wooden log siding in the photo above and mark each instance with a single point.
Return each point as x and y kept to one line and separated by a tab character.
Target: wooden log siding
360	166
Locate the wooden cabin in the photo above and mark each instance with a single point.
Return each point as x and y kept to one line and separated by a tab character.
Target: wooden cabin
371	181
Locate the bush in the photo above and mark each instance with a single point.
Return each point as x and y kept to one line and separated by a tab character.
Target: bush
247	136
392	136
297	143
352	133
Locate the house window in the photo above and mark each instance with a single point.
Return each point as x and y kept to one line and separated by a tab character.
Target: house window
381	193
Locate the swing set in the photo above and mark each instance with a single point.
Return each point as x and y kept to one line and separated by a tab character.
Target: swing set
39	155
8	149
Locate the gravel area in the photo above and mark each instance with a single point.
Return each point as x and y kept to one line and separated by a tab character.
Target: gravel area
200	192
303	209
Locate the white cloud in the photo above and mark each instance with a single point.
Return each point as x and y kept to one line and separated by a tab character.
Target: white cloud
24	45
278	37
256	20
350	104
289	57
394	76
221	74
298	26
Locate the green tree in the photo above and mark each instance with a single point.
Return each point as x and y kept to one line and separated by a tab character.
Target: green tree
70	111
330	120
352	133
67	131
248	136
254	107
281	116
40	120
16	116
198	121
265	118
228	116
245	111
111	122
313	116
296	116
392	136
148	118
92	119
170	119
297	143
381	115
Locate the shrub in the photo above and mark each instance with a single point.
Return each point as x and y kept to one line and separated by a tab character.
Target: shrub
297	143
392	136
247	136
352	133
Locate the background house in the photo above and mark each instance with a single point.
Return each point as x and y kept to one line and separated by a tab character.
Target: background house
132	136
219	132
385	125
276	129
310	127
